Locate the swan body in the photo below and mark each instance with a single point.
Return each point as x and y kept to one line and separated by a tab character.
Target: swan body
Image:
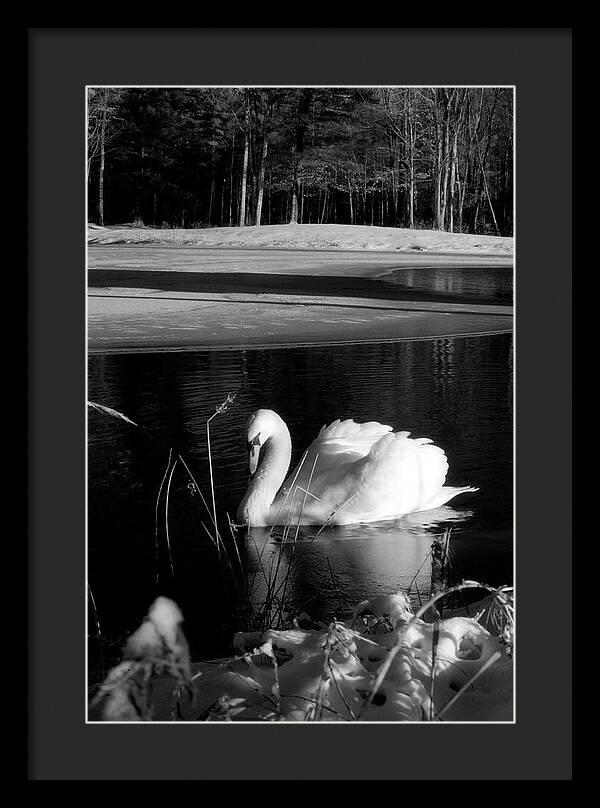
350	473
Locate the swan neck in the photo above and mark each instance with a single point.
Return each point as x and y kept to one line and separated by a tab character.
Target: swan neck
273	466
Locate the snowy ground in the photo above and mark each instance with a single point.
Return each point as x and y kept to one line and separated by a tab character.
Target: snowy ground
309	236
141	321
152	297
460	669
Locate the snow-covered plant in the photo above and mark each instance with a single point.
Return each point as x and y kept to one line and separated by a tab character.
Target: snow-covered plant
156	648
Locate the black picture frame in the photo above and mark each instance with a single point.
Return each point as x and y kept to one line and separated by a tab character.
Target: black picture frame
61	63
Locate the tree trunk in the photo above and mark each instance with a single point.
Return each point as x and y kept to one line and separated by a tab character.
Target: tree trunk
322	219
445	175
294	210
213	180
441	114
261	176
101	168
269	201
462	188
452	181
438	221
351	205
222	201
410	140
231	180
298	147
487	193
210	201
242	221
482	159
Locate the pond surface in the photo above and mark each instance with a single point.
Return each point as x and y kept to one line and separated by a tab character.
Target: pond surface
487	285
456	391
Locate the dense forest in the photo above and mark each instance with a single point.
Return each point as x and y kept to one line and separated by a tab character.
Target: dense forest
436	158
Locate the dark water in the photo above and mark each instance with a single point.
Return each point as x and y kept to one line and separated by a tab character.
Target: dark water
487	285
456	391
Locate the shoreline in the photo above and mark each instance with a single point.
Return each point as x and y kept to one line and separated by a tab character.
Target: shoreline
283	345
187	299
315	261
139	322
401	252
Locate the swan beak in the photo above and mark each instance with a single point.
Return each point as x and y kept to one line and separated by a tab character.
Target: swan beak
253	454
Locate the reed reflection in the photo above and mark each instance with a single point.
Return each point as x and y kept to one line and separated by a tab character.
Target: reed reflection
323	571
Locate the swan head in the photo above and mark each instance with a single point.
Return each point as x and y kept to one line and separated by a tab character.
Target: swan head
262	425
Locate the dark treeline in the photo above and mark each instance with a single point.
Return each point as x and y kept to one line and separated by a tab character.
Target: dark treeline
438	158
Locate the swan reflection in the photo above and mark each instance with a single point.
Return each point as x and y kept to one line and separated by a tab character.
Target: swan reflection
368	559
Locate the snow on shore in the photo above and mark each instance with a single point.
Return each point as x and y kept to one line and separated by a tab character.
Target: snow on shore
308	236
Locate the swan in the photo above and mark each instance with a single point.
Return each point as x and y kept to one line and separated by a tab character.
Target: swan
350	473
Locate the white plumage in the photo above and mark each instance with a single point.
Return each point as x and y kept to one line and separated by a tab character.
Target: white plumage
350	473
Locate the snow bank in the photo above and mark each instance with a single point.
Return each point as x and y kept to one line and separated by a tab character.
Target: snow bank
309	236
456	669
329	674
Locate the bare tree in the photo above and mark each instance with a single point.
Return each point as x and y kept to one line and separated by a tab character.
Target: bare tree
304	103
242	221
268	101
103	127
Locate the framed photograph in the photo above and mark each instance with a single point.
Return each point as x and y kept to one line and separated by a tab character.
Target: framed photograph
294	476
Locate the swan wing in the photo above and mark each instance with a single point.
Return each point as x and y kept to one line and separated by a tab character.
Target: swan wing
337	445
366	473
327	461
400	475
445	495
